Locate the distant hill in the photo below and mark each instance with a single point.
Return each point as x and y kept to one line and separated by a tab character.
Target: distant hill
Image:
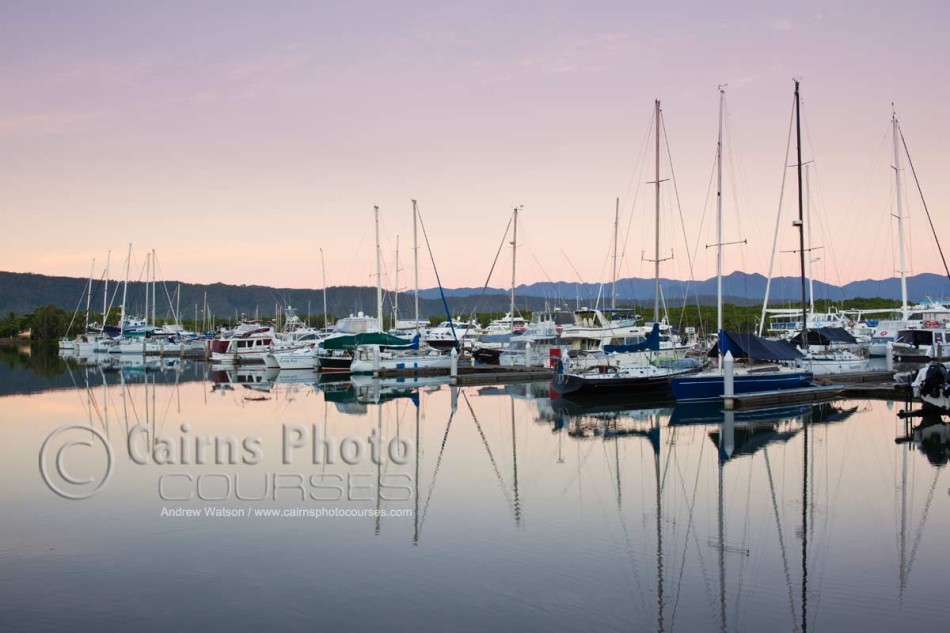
738	286
24	292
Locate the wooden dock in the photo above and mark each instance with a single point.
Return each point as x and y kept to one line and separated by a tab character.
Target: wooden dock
491	374
876	385
479	374
877	376
878	391
820	393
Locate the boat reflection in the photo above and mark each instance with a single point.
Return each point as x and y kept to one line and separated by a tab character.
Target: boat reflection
931	436
737	436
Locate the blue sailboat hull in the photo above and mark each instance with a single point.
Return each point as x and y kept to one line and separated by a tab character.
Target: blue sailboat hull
710	386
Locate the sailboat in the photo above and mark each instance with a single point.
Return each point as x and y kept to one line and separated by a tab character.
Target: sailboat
637	372
921	331
710	385
825	339
372	358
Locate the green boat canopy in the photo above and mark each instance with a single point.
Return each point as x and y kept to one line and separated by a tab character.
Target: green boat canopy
368	338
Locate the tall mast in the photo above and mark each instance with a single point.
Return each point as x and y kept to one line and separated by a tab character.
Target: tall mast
415	257
396	297
722	96
148	263
379	275
900	213
811	244
656	290
92	271
323	268
153	288
514	251
125	290
801	212
613	290
105	292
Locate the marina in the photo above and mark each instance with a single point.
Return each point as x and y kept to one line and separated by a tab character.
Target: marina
428	316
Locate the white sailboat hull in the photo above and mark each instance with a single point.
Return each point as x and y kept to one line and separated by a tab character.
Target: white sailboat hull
409	363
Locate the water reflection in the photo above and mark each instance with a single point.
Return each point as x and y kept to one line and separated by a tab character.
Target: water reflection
654	515
931	436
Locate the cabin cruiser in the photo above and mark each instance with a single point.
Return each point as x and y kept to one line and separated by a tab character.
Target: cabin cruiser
248	343
445	334
617	331
931	342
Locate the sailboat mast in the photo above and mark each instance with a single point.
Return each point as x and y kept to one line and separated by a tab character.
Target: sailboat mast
722	96
379	275
153	287
613	289
396	297
656	253
900	214
811	244
323	269
148	263
125	290
105	292
415	257
801	212
92	271
514	252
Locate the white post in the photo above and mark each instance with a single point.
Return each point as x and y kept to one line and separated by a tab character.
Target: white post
527	354
376	361
727	439
454	371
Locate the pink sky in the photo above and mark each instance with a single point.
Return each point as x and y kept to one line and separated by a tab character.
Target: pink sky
237	139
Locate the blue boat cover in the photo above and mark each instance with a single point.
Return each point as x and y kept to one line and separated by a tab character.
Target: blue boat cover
755	348
826	336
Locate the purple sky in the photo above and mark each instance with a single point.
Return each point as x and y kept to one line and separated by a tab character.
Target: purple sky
239	138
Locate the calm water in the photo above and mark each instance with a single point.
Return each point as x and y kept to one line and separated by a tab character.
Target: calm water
504	510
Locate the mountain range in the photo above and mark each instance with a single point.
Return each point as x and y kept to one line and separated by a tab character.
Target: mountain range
24	292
